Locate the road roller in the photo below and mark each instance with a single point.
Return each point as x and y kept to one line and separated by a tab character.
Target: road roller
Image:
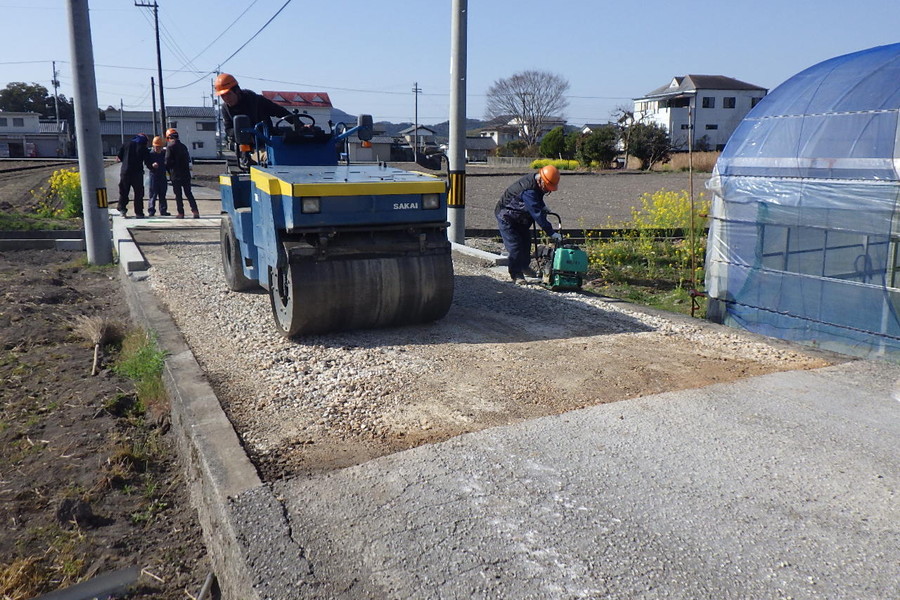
337	245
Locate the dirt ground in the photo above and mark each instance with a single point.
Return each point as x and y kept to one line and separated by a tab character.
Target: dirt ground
87	485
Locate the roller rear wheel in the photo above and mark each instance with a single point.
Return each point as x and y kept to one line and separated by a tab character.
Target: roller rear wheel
315	297
231	257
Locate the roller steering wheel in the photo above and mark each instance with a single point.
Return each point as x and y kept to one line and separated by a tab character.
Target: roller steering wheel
289	118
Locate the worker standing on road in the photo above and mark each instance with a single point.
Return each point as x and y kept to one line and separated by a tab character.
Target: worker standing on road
178	164
133	156
238	101
520	206
156	163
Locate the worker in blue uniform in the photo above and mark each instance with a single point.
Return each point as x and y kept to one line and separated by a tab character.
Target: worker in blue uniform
520	206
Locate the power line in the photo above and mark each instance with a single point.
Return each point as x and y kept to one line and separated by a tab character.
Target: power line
235	53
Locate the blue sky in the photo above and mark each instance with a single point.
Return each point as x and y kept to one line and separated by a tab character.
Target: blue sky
367	54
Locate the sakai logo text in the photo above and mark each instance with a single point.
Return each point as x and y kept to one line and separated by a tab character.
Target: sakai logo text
405	205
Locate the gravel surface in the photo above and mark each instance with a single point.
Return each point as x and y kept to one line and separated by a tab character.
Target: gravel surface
503	354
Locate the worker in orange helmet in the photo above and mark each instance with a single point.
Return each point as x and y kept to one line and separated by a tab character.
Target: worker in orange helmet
156	163
520	206
238	101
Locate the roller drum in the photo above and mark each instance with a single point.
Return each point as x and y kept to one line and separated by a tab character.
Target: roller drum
310	296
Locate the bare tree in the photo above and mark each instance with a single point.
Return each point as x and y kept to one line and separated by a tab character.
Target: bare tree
530	98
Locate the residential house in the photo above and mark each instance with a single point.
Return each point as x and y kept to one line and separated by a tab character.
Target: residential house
196	127
716	105
507	128
25	135
117	127
378	149
423	135
479	148
500	131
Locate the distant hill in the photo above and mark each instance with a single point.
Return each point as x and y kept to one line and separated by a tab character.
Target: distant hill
441	130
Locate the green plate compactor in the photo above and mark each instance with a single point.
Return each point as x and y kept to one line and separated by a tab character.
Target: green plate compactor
561	266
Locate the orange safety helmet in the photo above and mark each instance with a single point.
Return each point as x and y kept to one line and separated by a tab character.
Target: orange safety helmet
224	82
170	131
550	177
158	141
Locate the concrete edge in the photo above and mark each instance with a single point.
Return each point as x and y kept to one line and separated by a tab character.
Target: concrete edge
213	460
131	259
487	257
239	515
43	244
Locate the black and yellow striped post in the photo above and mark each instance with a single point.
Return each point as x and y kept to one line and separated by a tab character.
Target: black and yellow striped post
456	198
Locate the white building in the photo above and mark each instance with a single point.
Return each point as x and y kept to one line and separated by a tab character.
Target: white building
26	135
196	127
714	103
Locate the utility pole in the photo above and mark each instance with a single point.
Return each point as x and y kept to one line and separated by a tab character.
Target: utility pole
55	83
153	102
162	97
416	90
94	202
456	199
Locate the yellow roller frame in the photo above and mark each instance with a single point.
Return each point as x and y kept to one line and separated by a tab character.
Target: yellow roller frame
274	186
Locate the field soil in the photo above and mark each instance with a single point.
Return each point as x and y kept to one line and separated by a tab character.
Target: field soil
89	484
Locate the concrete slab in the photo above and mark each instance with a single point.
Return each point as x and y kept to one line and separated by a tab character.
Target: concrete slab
783	485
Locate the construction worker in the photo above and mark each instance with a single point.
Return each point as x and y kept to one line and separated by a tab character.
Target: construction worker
156	163
238	101
178	164
520	206
133	156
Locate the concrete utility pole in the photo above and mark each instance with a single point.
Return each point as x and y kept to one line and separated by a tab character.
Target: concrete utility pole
156	131
162	97
416	90
97	236
55	83
456	201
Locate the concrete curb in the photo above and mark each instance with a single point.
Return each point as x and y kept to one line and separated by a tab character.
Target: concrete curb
216	467
492	259
62	239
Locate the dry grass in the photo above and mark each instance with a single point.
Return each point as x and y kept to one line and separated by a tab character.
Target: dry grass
703	162
21	579
98	331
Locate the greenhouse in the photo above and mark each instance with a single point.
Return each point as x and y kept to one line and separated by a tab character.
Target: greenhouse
804	230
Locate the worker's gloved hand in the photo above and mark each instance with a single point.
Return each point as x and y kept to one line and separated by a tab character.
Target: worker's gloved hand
556	237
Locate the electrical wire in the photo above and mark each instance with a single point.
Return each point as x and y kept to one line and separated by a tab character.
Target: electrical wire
235	53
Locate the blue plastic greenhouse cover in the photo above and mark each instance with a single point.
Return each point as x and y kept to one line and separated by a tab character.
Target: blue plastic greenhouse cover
837	119
805	232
